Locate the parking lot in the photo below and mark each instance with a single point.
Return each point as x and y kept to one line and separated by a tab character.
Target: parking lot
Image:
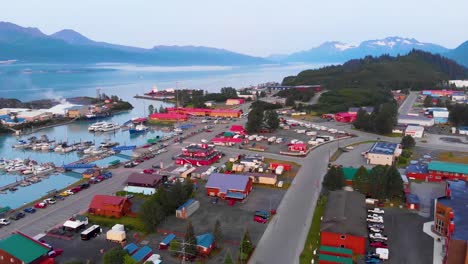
353	158
234	221
407	242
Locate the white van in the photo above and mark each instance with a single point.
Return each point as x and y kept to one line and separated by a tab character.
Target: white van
311	133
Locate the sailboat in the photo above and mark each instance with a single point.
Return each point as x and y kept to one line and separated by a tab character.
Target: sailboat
140	128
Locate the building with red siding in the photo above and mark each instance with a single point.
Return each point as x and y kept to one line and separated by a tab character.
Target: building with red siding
437	171
344	222
198	155
235	101
110	206
229	186
19	248
450	224
345	117
171	117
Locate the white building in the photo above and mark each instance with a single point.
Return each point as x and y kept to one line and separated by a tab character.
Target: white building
414	131
415	120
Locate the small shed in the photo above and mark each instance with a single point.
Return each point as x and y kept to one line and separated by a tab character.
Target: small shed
205	243
187	209
412	201
164	244
142	254
131	248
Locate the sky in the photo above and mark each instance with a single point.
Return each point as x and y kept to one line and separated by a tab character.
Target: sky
254	27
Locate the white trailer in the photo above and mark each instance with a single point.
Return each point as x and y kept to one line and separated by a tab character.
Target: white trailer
271	139
187	209
116	234
312	142
279	170
311	133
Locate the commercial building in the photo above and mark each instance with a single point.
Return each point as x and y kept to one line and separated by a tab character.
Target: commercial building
110	206
418	120
263	178
440	114
238	129
205	112
345	117
229	186
383	153
19	248
438	93
355	110
169	117
344	222
226	141
198	155
35	115
451	222
448	170
235	101
414	131
143	183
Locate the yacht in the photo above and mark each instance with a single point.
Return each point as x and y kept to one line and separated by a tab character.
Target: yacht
96	126
89	150
108	127
108	144
21	144
43	170
138	129
64	148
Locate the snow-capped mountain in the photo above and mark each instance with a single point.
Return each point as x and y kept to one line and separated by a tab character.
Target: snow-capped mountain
335	51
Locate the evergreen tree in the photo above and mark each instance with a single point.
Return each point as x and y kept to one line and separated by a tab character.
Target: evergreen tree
378	182
394	183
334	179
190	240
290	101
254	120
246	247
151	214
363	120
150	109
361	180
408	142
271	119
386	118
114	256
217	233
129	260
228	258
428	101
162	109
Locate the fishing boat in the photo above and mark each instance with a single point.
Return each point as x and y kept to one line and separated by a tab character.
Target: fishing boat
108	144
63	148
138	129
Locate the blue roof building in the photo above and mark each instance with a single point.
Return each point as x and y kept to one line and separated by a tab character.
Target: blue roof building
383	153
205	243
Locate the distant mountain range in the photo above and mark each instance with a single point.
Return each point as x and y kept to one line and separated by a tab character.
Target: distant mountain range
67	46
339	52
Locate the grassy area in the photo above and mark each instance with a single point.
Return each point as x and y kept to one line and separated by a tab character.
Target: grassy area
313	237
457	157
139	195
396	135
132	223
336	155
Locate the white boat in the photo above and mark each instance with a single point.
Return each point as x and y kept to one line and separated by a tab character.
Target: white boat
89	150
97	151
96	126
138	129
27	171
45	147
21	144
43	170
108	127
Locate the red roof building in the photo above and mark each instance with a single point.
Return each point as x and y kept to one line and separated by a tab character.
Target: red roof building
226	140
205	112
198	155
110	206
238	129
173	117
345	117
297	147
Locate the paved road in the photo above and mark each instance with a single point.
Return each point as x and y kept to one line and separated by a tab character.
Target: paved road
316	97
405	107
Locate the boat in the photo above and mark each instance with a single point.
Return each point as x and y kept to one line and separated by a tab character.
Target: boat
13	189
96	126
108	127
45	147
27	171
64	148
89	150
21	144
43	170
108	144
138	129
25	184
6	62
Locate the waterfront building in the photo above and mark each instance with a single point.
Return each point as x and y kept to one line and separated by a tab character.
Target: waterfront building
19	248
146	184
205	112
198	155
170	117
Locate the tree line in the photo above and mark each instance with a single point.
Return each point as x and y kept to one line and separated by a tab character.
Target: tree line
381	121
262	116
381	182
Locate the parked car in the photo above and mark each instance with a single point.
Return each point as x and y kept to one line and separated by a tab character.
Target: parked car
50	201
149	171
373	260
29	210
260	219
374	215
375	220
375	225
263	214
84	186
40	205
55	253
130	164
376	211
138	161
379	245
17	216
76	189
58	197
156	166
4	222
64	193
107	175
375	230
378	236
